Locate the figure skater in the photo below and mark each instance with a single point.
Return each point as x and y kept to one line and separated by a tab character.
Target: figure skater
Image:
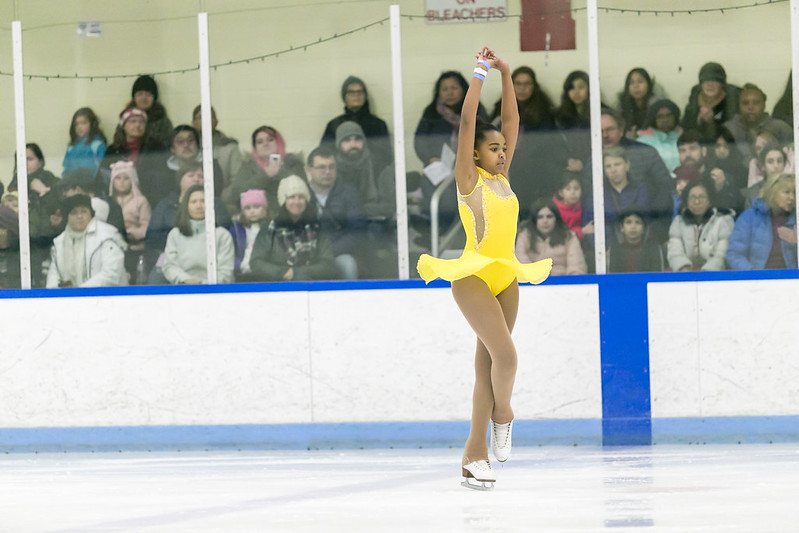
484	278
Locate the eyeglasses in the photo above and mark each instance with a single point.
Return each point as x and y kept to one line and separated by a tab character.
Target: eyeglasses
184	142
698	198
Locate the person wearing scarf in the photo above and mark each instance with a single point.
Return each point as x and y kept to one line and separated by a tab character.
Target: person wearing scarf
294	246
89	253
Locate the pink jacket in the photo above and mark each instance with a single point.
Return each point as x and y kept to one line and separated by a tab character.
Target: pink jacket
567	259
135	208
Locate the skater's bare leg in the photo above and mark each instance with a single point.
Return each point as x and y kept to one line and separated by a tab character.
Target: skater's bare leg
492	318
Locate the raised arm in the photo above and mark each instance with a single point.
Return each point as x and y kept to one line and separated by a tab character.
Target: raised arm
465	169
510	109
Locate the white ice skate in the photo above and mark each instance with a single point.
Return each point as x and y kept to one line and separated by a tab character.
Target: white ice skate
501	440
478	475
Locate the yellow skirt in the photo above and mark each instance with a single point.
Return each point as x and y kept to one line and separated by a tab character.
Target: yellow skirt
496	272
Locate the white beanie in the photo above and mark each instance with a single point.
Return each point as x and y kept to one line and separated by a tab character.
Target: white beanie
291	185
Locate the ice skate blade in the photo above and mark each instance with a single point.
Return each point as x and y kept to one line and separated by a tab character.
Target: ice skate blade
484	486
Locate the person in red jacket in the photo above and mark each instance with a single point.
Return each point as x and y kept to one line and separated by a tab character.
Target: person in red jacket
569	203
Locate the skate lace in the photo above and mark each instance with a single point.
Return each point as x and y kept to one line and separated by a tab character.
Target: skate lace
504	431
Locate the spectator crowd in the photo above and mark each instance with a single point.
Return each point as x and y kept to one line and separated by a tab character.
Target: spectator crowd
706	185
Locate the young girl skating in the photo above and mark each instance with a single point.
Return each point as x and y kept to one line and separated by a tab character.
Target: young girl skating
484	278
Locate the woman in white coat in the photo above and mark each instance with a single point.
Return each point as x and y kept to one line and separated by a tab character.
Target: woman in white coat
699	235
89	252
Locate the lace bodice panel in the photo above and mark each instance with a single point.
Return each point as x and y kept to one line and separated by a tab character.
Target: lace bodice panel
491	203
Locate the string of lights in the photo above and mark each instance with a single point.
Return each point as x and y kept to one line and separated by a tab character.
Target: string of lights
365	27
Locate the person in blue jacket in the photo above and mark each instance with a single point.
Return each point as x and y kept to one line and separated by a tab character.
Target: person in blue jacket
764	236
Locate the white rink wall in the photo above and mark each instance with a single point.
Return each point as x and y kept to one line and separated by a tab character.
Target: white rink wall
717	349
276	357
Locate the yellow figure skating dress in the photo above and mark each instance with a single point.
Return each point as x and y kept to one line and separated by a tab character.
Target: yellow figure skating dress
489	215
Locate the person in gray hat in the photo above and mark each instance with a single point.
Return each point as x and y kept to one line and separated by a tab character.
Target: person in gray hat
712	102
356	109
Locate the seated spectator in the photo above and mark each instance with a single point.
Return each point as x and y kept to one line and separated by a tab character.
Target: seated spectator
263	168
226	149
136	212
621	194
531	177
635	251
727	158
356	109
144	95
783	109
293	246
751	119
89	253
646	167
694	153
43	210
81	181
87	143
698	237
639	93
685	175
245	228
766	138
164	216
185	258
438	129
545	234
339	210
663	132
764	236
568	202
354	162
130	143
772	162
712	102
157	177
9	249
10	199
573	119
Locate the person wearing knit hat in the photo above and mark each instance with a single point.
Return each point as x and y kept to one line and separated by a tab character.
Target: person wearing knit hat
712	102
293	246
245	228
374	129
89	252
291	186
144	96
354	162
136	211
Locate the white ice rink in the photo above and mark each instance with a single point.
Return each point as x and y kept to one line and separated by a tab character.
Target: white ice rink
741	488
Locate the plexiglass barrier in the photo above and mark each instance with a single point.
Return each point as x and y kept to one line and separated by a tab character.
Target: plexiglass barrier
696	132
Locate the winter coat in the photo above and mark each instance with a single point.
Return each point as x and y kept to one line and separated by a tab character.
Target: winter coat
84	154
228	155
433	132
269	260
650	258
567	258
105	257
136	213
751	239
723	111
185	256
665	144
713	241
745	137
342	218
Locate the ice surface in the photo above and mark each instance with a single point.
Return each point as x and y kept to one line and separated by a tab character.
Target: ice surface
749	488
